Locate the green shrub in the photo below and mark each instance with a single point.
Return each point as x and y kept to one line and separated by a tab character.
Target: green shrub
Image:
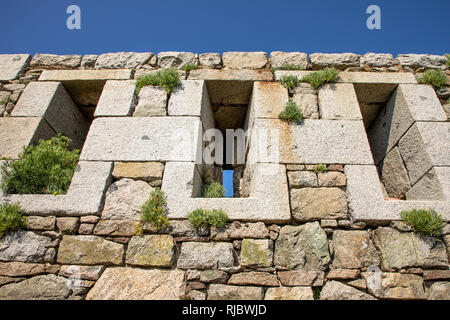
46	168
318	78
212	189
198	218
424	222
320	168
437	78
201	218
11	218
287	66
291	112
167	79
189	67
289	82
154	210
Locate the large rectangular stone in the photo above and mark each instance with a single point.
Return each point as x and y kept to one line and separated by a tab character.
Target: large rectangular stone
434	185
317	141
236	75
338	101
117	99
16	133
51	101
144	139
12	65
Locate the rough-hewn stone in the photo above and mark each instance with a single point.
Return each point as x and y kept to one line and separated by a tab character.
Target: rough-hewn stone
171	59
332	179
299	179
339	101
118	228
122	60
23	246
439	291
210	60
302	247
280	59
244	60
343	274
395	285
238	230
334	290
394	175
89	250
289	293
213	276
67	224
41	223
21	269
152	102
226	292
378	60
45	287
340	61
53	61
138	284
12	65
254	279
416	61
307	103
214	255
256	253
301	278
151	251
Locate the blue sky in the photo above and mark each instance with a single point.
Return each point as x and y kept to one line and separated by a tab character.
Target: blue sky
30	26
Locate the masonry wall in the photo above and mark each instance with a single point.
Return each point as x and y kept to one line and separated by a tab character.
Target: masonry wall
321	247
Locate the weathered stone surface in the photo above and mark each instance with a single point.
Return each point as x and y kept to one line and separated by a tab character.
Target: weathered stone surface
299	179
328	223
88	61
234	75
53	61
332	179
403	250
67	225
439	291
147	171
340	61
244	60
318	203
89	219
213	276
171	59
394	175
12	65
23	246
268	100
51	101
254	279
358	284
307	103
238	230
213	255
416	61
45	287
432	186
395	285
21	269
334	290
225	292
353	249
343	274
302	247
289	293
436	274
301	278
138	284
122	60
152	102
280	59
378	60
5	280
40	223
124	199
118	228
151	251
210	60
256	253
82	272
89	250
339	101
117	99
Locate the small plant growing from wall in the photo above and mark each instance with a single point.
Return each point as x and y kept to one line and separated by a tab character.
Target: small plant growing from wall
201	218
167	79
424	222
291	112
189	67
437	78
46	168
318	78
287	66
447	55
212	189
289	82
11	218
154	210
320	168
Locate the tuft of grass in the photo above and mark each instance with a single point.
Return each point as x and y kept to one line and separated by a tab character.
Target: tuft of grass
291	112
424	222
316	292
201	218
289	82
212	189
154	210
46	168
11	218
437	78
287	66
189	67
318	78
167	79
320	168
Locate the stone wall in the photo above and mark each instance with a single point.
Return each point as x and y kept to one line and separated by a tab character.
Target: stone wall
298	234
